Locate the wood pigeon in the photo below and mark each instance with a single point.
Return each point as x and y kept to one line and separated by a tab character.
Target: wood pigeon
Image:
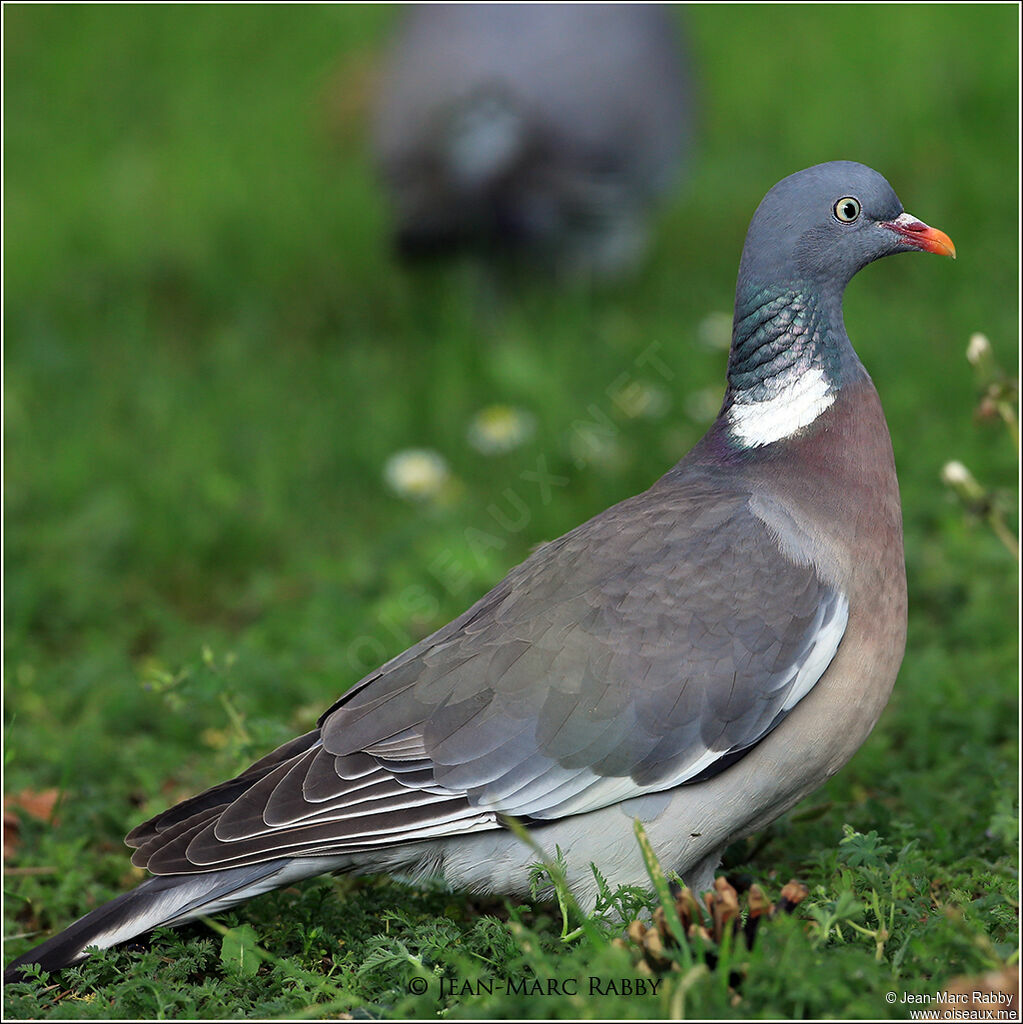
698	657
544	128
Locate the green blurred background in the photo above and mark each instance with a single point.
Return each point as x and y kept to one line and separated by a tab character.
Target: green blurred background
210	355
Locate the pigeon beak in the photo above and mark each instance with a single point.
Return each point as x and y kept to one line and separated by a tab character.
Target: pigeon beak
919	236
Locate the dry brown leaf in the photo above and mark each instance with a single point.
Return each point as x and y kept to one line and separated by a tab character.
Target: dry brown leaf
12	830
36	805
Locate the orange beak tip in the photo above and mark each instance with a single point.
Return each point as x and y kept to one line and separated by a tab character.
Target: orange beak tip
921	236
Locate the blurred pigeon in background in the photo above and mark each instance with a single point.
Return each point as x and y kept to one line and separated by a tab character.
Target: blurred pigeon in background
544	128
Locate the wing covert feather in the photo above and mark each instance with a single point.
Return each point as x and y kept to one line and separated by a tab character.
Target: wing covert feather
651	646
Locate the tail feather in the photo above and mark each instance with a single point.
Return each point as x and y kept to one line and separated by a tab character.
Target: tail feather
165	899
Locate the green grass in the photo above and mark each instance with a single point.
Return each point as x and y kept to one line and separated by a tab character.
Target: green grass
209	356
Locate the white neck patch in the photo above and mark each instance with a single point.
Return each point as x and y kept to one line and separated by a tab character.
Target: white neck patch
794	405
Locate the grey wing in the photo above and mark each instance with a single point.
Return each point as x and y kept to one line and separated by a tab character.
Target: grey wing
650	647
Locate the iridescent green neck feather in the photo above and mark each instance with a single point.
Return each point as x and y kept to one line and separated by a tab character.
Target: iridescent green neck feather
790	357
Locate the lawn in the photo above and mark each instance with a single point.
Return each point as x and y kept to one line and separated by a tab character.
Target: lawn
209	358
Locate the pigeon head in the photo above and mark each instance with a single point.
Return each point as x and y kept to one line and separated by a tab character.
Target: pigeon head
790	353
823	225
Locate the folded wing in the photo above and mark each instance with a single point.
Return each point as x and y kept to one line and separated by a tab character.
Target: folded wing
643	650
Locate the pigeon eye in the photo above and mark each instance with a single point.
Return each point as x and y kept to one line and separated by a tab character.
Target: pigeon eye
847	209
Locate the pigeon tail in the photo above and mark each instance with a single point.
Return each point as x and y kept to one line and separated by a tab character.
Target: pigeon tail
165	899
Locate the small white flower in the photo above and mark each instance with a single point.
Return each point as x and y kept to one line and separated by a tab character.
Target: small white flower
500	428
416	473
962	481
955	473
715	331
978	349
